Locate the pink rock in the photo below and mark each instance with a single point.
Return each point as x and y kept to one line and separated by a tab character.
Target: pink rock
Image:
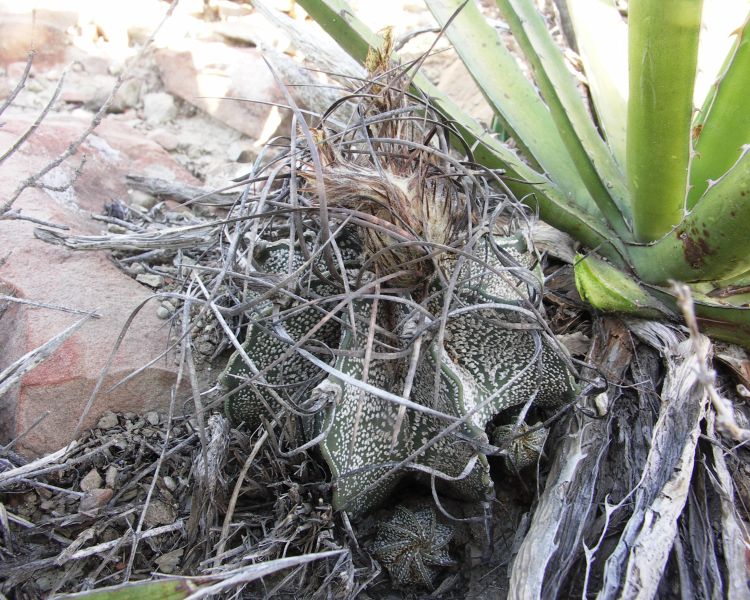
207	72
46	31
86	280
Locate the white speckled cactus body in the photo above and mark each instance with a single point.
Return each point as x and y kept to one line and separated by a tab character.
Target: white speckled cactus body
486	364
411	315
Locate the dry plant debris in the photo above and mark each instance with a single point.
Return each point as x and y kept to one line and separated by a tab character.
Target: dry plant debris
140	495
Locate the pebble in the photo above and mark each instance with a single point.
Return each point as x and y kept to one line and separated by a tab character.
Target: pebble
170	483
159	107
114	228
108	421
34	85
141	199
95	499
127	96
110	477
166	139
136	269
168	562
206	348
44	583
150	280
163	313
91	481
152	417
159	513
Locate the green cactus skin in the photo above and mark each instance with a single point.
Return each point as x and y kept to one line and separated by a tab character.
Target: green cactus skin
411	545
485	365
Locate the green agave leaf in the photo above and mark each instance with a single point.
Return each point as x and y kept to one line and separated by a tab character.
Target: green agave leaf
511	95
170	589
608	289
723	126
663	51
711	243
596	165
184	587
722	321
602	38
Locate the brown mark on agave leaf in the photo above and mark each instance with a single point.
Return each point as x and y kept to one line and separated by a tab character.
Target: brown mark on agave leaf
695	246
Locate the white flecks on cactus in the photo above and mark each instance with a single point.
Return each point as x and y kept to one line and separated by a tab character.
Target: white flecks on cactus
412	545
485	365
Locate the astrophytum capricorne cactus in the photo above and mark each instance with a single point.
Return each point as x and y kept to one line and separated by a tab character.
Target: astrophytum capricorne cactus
406	313
412	545
485	364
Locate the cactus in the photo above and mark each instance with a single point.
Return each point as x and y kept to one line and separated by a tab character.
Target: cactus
486	365
411	545
396	231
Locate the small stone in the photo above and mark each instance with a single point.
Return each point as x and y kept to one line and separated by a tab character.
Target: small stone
138	34
601	401
95	499
108	421
110	477
150	280
170	483
159	107
91	481
44	583
89	90
247	156
168	305
127	96
206	348
168	562
114	228
152	417
120	442
139	198
136	269
159	513
165	139
237	150
34	85
109	535
163	313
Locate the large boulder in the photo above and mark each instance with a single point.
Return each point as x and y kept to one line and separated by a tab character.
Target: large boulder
61	386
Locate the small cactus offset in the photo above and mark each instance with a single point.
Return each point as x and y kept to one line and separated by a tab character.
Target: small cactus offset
412	546
405	306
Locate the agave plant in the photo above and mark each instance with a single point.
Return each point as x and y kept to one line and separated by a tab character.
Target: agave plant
409	315
654	189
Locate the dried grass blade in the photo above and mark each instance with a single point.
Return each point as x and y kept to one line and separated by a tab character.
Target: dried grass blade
13	373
